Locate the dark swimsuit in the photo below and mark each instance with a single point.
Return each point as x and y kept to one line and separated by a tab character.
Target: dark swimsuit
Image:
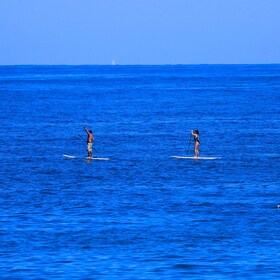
196	139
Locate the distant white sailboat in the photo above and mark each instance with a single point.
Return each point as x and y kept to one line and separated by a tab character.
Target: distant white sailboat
114	62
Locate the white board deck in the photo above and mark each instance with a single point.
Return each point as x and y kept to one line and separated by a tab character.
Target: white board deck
90	158
198	158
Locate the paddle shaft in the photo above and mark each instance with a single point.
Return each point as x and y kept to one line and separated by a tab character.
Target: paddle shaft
189	143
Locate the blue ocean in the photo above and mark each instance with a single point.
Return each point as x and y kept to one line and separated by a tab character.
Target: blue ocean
142	214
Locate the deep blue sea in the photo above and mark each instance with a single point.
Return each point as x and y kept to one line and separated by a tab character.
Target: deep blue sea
142	214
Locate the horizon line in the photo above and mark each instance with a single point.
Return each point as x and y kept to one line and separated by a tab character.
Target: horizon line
165	64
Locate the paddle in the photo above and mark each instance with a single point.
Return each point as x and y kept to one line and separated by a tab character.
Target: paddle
189	143
86	142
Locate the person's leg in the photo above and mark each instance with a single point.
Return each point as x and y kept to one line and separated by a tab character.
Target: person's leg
196	150
88	149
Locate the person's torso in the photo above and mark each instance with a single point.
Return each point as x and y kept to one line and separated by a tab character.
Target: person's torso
90	138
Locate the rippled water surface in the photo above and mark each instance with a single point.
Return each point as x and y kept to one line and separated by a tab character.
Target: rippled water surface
142	214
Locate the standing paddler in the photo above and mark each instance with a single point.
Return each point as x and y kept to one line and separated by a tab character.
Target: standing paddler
196	141
90	140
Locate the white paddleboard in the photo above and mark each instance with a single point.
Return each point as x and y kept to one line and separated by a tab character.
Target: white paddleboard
204	158
90	158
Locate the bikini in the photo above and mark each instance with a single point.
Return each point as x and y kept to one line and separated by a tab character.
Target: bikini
196	139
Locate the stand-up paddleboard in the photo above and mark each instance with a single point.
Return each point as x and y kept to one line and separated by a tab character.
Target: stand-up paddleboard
198	158
90	158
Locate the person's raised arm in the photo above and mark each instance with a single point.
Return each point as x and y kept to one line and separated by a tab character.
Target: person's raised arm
194	135
86	130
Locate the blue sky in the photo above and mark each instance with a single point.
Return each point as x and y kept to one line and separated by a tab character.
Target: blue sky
139	31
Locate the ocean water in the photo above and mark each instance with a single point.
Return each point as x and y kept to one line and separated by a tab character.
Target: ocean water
142	214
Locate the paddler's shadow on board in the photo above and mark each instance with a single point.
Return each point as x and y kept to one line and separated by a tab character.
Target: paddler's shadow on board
91	160
88	161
